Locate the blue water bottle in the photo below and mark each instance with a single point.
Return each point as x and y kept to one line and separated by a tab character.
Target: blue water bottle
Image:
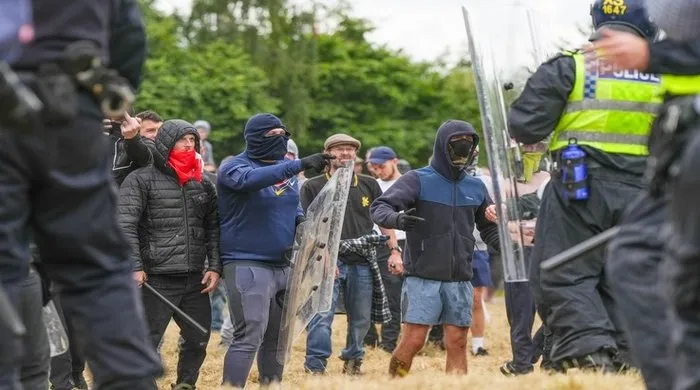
574	172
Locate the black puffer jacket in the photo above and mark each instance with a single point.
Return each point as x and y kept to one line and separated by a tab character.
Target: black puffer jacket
170	229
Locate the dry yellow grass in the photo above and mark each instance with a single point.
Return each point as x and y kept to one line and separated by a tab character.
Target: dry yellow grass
427	371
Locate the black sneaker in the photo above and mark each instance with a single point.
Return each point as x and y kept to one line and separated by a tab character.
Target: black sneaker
480	352
509	369
79	383
352	367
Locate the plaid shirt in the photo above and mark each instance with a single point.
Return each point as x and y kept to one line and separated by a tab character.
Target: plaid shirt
366	246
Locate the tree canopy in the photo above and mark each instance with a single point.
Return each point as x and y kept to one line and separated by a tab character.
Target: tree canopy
231	59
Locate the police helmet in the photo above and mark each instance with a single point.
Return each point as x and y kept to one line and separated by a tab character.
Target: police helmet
627	13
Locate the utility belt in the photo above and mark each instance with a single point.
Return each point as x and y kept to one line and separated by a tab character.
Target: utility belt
670	134
49	93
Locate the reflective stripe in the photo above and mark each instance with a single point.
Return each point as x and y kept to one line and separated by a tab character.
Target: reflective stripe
629	139
612	105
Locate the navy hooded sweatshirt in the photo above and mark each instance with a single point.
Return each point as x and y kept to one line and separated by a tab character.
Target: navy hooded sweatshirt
258	196
450	201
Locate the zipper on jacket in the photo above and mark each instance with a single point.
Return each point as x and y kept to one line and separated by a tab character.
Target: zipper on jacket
187	228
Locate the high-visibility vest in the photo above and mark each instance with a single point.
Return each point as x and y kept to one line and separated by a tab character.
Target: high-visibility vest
680	85
610	110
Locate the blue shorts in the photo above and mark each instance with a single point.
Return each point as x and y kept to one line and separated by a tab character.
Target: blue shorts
432	302
481	268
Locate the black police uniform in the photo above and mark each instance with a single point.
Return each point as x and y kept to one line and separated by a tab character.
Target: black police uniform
634	263
56	181
581	327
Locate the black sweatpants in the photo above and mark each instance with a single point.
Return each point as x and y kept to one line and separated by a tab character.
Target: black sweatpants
185	291
577	297
634	267
683	265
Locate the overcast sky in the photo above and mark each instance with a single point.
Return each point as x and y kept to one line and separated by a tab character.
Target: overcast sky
425	28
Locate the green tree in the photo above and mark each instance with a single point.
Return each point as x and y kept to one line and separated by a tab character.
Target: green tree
215	81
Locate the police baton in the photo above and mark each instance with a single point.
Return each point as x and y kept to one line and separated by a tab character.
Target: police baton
579	250
176	309
9	317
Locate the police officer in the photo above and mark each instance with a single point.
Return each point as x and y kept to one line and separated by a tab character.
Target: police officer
635	258
56	182
599	118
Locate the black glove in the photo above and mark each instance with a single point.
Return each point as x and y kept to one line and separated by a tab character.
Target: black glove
407	221
316	161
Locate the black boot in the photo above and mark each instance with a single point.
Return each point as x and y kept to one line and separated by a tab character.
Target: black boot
600	361
352	367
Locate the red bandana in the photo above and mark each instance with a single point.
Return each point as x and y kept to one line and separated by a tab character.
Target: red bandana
186	165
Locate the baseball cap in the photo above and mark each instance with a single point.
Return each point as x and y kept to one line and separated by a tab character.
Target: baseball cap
381	155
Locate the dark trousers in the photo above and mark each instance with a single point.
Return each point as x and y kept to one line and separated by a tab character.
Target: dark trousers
185	291
256	314
66	368
392	286
634	267
683	265
520	310
580	305
56	181
35	365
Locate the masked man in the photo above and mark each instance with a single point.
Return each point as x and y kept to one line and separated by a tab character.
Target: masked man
168	213
259	207
442	204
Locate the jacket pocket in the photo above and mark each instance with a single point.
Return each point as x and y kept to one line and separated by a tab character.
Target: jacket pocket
463	257
163	246
435	257
200	202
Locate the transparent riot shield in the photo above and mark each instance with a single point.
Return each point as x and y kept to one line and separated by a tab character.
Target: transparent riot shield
312	276
506	48
58	340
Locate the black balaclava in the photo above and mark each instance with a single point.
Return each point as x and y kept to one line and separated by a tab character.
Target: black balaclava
260	147
461	153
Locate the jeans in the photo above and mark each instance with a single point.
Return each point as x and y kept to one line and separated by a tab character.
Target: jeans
356	282
218	304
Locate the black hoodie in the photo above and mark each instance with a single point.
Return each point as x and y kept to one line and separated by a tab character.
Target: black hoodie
451	202
171	229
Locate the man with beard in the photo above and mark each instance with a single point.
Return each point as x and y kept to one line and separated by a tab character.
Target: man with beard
438	206
354	271
384	162
259	210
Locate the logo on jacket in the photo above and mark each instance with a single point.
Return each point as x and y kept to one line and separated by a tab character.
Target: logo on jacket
284	185
609	71
365	201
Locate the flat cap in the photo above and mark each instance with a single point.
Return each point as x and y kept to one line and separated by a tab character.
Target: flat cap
341	139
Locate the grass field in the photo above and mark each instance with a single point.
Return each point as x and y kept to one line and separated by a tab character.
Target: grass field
427	371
